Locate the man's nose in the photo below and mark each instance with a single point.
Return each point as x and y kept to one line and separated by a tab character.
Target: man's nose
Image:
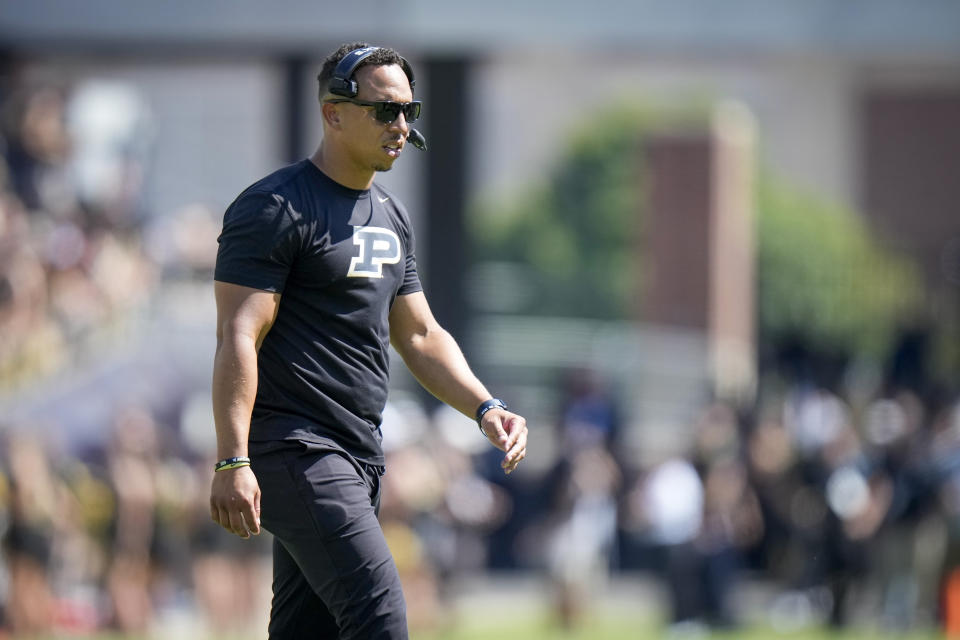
400	123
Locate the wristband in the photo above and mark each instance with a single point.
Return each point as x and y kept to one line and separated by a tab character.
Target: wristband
232	463
492	403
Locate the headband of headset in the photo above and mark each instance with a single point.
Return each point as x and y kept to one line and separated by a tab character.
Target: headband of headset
342	82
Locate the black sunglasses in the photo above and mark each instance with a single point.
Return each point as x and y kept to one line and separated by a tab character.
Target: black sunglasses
386	111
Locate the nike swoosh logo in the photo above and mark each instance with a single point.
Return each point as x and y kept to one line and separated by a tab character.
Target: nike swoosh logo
382	200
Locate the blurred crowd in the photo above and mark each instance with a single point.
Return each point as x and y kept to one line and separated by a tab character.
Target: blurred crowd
71	261
847	507
818	506
120	538
114	534
850	512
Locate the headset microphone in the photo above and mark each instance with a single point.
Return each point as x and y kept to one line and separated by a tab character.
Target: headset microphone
416	139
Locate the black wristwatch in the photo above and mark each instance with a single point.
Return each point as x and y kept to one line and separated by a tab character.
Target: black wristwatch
486	405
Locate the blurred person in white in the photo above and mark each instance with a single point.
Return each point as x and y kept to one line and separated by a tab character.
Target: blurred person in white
667	504
111	134
813	415
700	516
315	277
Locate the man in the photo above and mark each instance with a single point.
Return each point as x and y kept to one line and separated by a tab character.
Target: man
315	274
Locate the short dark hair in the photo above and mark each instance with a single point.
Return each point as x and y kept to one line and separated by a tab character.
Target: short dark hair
382	56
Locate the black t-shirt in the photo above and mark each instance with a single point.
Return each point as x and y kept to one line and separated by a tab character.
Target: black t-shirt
339	257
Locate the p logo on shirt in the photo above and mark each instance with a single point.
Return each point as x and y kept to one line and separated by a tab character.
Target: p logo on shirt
378	247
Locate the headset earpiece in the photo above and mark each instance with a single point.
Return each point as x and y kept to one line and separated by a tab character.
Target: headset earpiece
407	69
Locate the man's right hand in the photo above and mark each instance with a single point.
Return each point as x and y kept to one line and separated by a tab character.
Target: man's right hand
235	501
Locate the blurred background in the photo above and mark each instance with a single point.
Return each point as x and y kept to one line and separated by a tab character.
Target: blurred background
711	251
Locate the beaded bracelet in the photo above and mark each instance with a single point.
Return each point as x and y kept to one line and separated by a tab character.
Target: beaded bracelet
232	463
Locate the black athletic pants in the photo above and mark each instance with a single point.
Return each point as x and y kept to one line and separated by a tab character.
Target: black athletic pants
333	575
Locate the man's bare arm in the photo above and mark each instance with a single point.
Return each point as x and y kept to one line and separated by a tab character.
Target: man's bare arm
244	316
435	359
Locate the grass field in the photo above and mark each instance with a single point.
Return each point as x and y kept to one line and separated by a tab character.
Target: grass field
518	606
596	630
514	607
626	629
507	625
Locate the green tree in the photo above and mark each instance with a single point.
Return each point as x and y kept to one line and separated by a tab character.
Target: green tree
822	276
577	236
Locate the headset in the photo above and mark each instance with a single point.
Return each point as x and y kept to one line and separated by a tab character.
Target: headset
343	84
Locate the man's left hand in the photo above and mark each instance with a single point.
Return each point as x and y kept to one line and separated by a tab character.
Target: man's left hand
508	432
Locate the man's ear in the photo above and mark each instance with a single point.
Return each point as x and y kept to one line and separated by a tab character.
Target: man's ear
331	115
